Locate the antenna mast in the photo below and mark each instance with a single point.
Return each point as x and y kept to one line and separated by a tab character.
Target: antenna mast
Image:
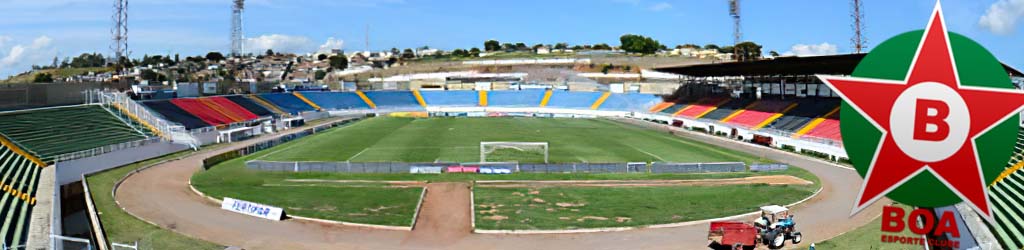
236	27
119	33
859	42
734	11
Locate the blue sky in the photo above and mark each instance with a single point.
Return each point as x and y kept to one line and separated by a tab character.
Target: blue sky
34	31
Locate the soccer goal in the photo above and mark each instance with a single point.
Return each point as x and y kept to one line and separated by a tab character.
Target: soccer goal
505	151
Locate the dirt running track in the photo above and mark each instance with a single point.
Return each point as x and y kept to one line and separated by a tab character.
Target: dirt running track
161	195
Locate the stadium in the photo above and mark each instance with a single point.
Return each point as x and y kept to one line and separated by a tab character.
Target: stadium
492	165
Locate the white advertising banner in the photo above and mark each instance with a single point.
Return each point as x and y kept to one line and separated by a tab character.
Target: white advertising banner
250	208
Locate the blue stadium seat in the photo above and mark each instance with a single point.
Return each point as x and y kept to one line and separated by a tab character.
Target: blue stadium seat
287	102
336	100
393	99
629	102
515	98
570	99
451	98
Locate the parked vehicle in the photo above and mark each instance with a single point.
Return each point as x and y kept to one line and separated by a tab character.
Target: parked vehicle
773	228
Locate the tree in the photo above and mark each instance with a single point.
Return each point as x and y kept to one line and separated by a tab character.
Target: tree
726	49
176	59
42	77
460	53
319	75
537	46
639	44
149	74
321	57
394	51
338	62
748	51
602	46
474	52
561	46
408	54
521	46
689	45
508	46
270	52
577	47
214	56
773	53
88	60
492	45
711	46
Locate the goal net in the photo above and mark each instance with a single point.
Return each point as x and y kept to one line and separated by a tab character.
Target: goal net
499	151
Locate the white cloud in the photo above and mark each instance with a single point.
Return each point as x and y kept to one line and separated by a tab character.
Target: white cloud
1001	17
330	44
812	50
279	43
660	6
21	56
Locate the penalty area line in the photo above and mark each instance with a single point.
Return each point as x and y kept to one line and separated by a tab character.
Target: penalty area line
357	154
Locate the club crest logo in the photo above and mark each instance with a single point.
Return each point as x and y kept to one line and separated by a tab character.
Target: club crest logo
929	118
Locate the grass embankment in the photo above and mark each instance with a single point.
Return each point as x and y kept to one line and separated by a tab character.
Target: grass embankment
122	227
61	73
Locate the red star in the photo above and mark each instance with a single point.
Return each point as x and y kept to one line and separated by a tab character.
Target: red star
929	122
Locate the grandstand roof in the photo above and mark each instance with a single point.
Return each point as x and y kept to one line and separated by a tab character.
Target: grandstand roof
810	65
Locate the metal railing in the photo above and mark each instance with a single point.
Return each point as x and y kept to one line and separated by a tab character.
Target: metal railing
103	150
125	105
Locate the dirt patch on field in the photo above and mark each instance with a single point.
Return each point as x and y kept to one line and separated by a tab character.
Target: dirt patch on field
768	179
444	216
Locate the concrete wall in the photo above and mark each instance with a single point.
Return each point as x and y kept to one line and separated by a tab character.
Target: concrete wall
72	171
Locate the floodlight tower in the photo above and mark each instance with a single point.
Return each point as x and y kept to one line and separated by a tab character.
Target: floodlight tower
734	11
119	33
236	27
859	42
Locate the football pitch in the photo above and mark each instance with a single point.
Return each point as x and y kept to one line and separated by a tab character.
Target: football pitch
458	140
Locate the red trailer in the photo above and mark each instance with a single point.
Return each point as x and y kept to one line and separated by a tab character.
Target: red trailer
732	235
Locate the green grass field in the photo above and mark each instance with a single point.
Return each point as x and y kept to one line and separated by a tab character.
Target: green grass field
596	207
458	140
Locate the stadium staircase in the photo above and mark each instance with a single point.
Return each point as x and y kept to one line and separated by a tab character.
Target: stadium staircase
19	177
482	98
393	99
826	127
1008	200
366	99
287	102
547	98
336	100
419	98
270	106
760	113
600	100
573	100
307	101
702	107
805	111
661	106
729	109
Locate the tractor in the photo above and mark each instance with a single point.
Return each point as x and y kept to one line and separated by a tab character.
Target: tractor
773	229
776	226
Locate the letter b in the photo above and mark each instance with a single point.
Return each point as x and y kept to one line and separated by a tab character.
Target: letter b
922	120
